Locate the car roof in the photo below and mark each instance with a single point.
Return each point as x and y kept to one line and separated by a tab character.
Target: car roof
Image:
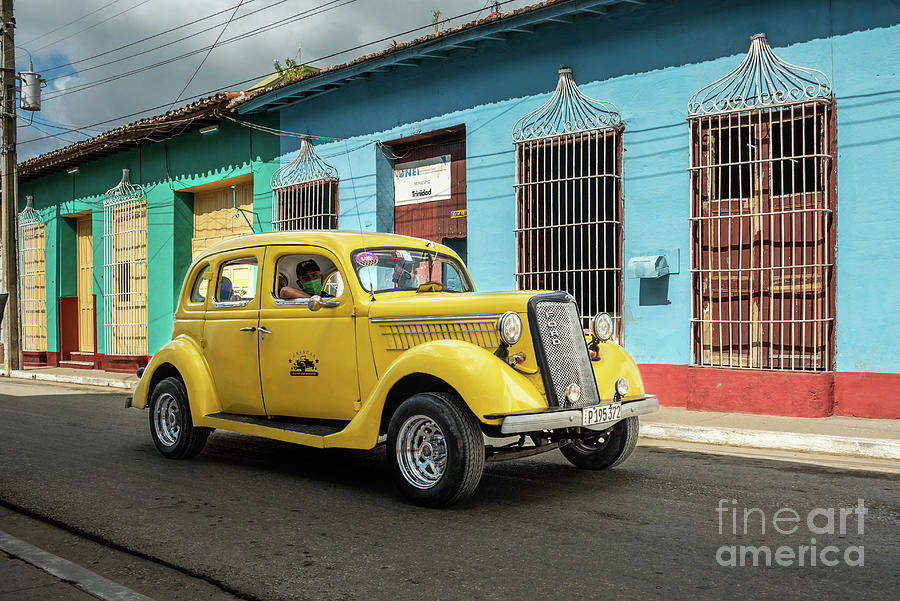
341	242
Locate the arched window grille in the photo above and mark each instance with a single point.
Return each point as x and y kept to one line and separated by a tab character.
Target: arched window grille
569	200
762	216
125	269
305	192
32	279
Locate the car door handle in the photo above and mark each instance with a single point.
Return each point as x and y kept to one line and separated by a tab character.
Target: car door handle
248	329
263	330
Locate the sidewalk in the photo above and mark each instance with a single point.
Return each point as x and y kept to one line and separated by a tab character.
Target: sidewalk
836	435
68	375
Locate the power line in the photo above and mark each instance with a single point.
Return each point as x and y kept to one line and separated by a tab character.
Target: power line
156	35
330	5
259	77
207	55
81	18
80	31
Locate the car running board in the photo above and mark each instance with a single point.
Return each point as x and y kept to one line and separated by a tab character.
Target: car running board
315	427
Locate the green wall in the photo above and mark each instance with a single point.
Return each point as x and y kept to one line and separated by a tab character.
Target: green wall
163	169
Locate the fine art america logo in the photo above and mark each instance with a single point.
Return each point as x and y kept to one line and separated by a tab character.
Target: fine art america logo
826	522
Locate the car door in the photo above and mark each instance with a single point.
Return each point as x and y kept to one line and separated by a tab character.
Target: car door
307	357
230	339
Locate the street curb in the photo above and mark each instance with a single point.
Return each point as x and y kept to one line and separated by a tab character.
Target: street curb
875	448
69	379
66	571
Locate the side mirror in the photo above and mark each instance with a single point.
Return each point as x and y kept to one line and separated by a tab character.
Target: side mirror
315	302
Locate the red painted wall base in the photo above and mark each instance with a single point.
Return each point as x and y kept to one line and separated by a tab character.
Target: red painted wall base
775	393
122	363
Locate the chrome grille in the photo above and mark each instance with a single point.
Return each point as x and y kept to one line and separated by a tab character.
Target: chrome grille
565	352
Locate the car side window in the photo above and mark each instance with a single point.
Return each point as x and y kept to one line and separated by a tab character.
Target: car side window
237	282
201	286
300	276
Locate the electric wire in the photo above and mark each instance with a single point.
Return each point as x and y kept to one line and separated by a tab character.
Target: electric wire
81	18
148	50
200	66
332	4
259	77
80	31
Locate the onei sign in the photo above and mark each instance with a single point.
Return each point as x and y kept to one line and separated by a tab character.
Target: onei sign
422	181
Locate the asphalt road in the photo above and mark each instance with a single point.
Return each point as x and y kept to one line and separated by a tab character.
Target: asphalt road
268	520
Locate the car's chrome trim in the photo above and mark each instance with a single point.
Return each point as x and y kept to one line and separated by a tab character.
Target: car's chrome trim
555	418
435	318
225	304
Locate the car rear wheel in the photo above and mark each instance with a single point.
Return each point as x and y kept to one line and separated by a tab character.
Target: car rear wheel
435	449
171	426
604	452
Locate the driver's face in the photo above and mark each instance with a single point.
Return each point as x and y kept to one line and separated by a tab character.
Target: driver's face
308	276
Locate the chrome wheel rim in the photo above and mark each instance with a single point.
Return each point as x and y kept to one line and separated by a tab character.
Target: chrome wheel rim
421	451
167	420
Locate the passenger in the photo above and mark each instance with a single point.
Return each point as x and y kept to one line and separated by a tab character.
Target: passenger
225	290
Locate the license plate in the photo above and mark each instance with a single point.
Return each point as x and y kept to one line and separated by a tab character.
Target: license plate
601	413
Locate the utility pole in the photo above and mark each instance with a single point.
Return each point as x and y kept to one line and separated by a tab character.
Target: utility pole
8	193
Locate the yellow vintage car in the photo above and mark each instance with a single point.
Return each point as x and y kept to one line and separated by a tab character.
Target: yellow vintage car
351	340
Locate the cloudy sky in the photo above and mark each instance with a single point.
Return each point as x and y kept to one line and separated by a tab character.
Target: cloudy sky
95	84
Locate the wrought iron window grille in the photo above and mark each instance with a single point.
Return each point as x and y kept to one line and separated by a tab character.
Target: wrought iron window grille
305	192
125	268
762	216
32	278
569	199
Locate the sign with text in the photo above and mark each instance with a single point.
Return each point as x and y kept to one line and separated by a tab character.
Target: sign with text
422	181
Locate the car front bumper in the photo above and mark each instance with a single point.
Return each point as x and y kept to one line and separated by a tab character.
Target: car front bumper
555	418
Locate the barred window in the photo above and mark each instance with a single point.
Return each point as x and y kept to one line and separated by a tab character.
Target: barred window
762	225
307	206
569	200
305	192
33	285
125	269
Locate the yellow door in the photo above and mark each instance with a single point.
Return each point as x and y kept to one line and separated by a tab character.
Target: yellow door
85	252
308	360
230	340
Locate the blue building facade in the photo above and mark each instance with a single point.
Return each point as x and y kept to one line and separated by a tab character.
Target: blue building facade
648	59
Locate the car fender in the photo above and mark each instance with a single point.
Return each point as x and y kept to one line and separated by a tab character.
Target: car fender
615	363
185	355
486	383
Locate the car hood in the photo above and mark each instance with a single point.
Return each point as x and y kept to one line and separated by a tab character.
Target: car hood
428	304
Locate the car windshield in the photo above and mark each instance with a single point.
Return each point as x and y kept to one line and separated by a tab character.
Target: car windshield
386	269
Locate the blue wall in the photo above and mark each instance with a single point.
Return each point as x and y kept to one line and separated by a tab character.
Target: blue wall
648	60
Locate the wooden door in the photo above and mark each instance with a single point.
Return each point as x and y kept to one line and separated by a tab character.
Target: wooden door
221	213
85	252
437	220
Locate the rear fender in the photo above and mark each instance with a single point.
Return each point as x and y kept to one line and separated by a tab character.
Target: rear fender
185	356
486	384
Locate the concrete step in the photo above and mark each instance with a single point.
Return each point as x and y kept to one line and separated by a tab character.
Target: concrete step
77	364
82	356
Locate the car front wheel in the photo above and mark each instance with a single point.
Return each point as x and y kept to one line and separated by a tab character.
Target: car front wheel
607	450
171	426
435	449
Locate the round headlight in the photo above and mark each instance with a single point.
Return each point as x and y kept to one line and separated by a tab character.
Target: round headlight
602	326
510	327
573	394
622	386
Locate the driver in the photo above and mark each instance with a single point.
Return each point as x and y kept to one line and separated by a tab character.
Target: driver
309	279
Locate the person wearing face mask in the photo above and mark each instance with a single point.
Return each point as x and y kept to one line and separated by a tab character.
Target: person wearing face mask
309	280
